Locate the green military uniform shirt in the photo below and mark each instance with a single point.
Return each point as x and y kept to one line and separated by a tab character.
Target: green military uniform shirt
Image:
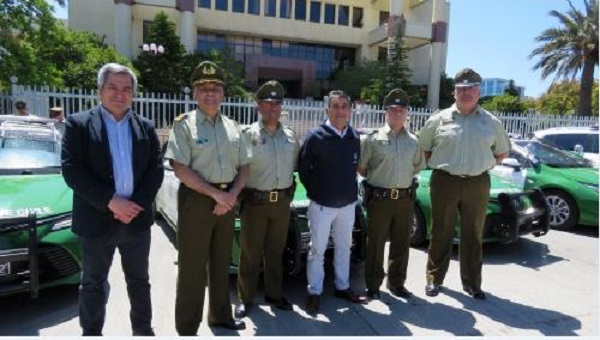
391	159
463	145
214	151
274	156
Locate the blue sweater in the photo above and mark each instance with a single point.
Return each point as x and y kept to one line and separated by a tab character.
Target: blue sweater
327	166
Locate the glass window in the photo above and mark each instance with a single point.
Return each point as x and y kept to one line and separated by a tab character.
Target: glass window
254	7
357	17
146	30
285	9
222	5
300	8
204	3
329	14
315	11
383	17
238	6
270	8
343	15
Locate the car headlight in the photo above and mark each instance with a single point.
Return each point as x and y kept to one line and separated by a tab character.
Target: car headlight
62	224
591	186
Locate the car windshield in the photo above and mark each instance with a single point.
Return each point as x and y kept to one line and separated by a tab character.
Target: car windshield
28	150
552	156
567	141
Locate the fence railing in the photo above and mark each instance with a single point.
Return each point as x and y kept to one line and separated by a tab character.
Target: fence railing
299	114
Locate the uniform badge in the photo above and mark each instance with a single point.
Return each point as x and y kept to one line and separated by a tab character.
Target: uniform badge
384	142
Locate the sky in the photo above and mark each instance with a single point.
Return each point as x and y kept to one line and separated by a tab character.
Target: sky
493	37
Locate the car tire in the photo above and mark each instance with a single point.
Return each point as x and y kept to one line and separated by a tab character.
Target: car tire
418	232
563	209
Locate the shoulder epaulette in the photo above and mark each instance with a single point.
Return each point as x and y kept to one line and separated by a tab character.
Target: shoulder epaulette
245	128
181	117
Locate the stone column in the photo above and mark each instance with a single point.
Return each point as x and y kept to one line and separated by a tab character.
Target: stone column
438	40
187	25
123	24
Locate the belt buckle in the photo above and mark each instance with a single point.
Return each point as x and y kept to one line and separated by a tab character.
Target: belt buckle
273	196
394	194
223	186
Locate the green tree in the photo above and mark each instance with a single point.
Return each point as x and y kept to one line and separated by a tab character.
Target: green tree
446	91
571	48
163	73
512	89
504	103
397	71
353	79
560	99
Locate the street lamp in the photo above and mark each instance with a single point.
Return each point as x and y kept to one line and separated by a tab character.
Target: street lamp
152	48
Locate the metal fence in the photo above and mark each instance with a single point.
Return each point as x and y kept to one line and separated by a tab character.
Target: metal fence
301	115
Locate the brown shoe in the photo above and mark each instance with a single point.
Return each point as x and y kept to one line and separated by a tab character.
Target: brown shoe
349	295
313	304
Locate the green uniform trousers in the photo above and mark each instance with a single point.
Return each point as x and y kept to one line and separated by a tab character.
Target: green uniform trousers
205	242
388	219
468	196
263	236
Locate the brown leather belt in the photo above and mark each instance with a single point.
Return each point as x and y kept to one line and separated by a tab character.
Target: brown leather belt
387	193
460	176
271	196
222	186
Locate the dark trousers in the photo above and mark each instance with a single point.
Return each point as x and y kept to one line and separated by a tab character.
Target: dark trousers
468	196
98	251
388	219
263	235
205	242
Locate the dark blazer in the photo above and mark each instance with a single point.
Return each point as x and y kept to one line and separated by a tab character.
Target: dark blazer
87	169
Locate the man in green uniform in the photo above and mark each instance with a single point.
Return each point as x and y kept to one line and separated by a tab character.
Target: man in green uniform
210	157
265	202
461	144
389	159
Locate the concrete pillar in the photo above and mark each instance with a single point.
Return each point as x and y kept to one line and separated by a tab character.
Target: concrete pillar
396	7
187	24
438	40
123	24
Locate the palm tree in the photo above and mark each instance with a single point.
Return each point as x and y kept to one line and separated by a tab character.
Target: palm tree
570	48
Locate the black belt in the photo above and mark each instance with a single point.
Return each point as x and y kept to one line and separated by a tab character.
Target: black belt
272	196
386	193
222	186
460	176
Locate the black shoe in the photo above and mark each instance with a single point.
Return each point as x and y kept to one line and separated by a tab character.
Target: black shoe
313	304
373	294
349	295
241	309
432	289
280	303
477	293
232	324
147	332
400	291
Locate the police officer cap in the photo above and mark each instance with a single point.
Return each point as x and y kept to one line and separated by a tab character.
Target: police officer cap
396	97
270	91
20	105
467	77
207	72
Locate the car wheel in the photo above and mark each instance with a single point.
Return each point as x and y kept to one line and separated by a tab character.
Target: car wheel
563	210
418	232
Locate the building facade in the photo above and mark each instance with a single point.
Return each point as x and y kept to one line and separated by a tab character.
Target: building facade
491	87
299	42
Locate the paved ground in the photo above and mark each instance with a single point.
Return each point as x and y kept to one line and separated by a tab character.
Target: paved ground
539	286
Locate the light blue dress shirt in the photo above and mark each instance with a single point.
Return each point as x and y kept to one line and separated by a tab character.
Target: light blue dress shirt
119	139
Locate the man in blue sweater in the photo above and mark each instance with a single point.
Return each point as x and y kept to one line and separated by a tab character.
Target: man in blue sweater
327	166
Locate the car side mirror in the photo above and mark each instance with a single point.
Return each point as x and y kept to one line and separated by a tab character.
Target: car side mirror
512	163
578	148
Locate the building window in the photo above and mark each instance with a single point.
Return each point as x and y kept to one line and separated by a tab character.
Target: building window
357	17
382	54
146	30
285	9
204	3
383	17
222	5
315	11
300	10
270	8
343	15
254	7
329	14
238	6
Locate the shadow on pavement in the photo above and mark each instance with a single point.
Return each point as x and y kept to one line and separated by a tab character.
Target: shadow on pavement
584	230
516	315
22	316
520	253
167	230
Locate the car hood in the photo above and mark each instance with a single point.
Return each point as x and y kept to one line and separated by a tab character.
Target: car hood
498	184
44	194
585	175
300	198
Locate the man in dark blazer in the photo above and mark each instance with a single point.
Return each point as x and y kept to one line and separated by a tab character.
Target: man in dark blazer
111	159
